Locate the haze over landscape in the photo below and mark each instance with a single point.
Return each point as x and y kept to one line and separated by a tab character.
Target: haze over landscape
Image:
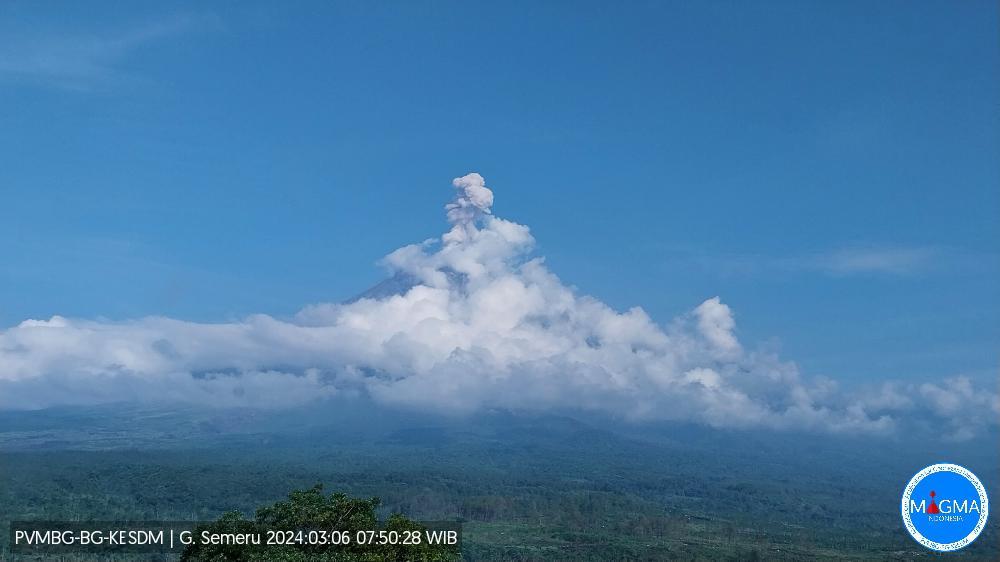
711	280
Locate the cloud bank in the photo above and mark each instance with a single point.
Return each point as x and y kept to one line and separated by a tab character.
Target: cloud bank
474	322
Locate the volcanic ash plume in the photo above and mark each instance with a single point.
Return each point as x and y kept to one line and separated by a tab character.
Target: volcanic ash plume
478	323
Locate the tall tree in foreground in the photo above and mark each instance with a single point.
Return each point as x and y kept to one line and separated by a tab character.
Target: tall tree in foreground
312	510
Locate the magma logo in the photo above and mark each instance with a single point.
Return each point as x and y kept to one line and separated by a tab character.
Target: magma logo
945	507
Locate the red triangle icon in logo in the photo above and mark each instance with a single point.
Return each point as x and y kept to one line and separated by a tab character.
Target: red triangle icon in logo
933	508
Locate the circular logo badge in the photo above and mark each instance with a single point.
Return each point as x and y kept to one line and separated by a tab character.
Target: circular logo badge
945	507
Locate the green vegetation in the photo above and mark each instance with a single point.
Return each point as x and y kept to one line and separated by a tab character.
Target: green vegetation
523	488
336	514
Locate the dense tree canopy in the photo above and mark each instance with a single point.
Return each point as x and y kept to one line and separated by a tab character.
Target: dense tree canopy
311	509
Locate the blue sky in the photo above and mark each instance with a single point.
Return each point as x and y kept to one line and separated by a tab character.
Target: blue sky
829	169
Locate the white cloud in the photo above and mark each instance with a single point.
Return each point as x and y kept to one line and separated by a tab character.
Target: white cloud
896	261
716	324
483	325
841	262
81	61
